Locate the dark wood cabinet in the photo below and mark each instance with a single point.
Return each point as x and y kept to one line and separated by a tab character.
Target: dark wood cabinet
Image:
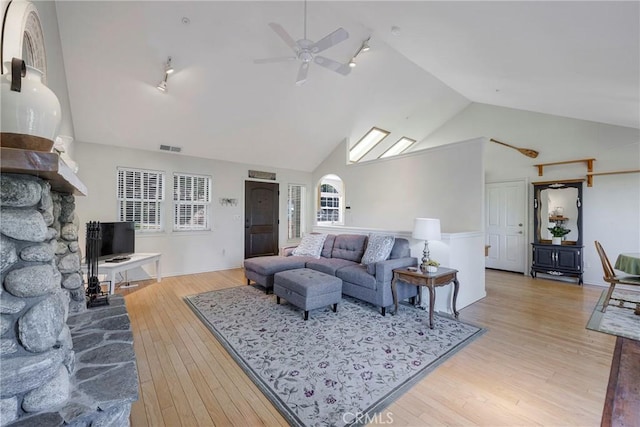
557	204
557	260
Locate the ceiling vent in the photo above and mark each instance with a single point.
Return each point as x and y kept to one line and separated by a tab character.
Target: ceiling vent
170	148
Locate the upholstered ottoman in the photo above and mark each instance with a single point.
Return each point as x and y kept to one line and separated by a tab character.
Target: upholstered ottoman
307	289
262	269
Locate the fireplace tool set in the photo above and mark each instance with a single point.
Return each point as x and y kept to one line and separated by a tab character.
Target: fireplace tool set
94	293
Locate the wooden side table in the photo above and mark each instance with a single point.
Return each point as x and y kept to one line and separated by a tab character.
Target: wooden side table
442	277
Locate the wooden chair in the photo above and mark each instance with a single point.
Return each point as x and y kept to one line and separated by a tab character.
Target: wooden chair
611	278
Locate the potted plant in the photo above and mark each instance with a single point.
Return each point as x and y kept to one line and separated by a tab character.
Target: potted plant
432	266
558	232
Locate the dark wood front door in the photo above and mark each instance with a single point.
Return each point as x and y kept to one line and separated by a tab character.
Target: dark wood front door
260	218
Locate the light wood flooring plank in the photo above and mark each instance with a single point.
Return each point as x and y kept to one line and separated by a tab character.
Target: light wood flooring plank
171	417
180	397
151	405
159	381
535	365
144	372
138	415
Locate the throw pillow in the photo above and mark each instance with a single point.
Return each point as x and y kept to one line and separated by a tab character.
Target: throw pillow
378	249
311	245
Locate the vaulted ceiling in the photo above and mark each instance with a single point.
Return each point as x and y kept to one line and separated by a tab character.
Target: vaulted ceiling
574	59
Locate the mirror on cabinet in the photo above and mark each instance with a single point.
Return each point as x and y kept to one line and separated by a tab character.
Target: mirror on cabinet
558	204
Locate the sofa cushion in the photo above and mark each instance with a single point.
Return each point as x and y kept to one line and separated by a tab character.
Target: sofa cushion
357	274
349	246
268	265
328	265
371	268
378	248
400	249
311	245
328	246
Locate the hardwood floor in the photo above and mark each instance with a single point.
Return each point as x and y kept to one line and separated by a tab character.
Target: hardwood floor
536	364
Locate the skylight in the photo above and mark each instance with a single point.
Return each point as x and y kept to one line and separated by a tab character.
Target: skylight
366	143
399	147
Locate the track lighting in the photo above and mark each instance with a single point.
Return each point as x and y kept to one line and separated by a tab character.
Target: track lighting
168	69
162	86
363	48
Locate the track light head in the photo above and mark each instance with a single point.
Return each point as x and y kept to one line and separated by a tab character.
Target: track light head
168	69
363	48
162	86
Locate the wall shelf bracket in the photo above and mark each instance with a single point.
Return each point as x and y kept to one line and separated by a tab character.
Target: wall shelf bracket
588	162
592	174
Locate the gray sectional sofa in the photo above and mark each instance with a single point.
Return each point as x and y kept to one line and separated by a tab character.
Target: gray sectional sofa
341	256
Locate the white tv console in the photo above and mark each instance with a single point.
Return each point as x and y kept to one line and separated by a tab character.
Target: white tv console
110	269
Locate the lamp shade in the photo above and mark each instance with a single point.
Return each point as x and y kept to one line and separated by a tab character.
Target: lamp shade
426	229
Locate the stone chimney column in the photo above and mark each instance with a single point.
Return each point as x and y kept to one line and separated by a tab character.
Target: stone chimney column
41	282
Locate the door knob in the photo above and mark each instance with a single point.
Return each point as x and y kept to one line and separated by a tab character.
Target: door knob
519	225
519	232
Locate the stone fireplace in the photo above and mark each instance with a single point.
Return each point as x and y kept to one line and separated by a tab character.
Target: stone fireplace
60	363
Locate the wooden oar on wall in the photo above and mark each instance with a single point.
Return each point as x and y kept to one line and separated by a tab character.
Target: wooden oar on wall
526	151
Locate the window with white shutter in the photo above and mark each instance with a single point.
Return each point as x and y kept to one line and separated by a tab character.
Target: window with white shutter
295	215
191	202
140	197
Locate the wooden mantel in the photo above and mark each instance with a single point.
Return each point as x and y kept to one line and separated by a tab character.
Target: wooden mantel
43	164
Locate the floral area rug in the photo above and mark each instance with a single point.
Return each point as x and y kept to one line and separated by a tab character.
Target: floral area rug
619	319
335	368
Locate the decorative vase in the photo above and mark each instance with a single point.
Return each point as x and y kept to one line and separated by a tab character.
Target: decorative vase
432	269
556	240
28	106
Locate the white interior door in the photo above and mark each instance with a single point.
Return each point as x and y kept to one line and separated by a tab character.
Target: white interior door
505	213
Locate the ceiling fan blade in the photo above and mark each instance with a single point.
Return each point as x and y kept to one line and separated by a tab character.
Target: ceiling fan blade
284	36
343	69
302	73
334	38
276	59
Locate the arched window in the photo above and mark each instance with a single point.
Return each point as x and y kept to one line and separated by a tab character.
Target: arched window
330	200
327	188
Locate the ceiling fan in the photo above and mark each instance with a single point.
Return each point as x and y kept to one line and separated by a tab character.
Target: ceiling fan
306	51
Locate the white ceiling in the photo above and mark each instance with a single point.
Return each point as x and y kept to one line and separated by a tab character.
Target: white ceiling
575	59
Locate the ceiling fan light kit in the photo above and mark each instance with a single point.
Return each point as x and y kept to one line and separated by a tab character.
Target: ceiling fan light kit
305	50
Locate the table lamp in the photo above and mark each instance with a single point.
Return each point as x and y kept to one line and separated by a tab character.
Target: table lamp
426	229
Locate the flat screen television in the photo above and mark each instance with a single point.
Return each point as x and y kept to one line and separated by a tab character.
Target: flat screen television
118	239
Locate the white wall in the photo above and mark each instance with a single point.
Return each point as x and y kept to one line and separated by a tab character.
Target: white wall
444	182
611	208
182	252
